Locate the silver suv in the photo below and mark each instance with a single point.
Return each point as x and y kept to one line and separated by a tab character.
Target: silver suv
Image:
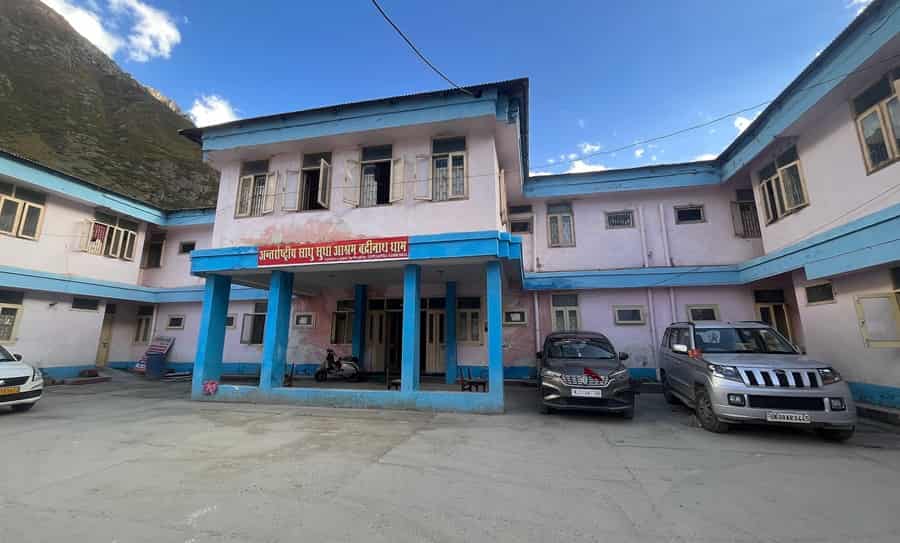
733	372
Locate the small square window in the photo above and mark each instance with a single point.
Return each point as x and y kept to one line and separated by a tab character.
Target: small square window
186	247
229	321
85	304
629	314
304	320
520	226
819	294
514	317
703	312
620	219
175	322
689	214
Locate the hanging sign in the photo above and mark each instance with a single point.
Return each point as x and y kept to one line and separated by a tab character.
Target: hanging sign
354	250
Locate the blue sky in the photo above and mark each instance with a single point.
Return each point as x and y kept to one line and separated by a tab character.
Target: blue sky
603	74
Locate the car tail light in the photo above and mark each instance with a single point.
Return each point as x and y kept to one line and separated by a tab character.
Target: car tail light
695	353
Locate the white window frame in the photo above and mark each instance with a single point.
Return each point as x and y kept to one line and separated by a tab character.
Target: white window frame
715	307
348	333
640	308
529	221
567	315
18	225
451	193
291	195
737	218
607	215
353	185
266	205
233	317
143	329
247	330
311	316
508	322
169	322
14	330
833	299
464	333
701	207
887	130
893	296
116	249
559	220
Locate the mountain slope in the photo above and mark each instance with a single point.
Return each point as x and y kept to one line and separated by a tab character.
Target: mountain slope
65	104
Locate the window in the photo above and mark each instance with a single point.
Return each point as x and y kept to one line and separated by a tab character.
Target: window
565	311
782	186
879	319
520	226
443	175
520	209
560	225
514	317
153	250
703	312
468	320
230	320
254	325
21	211
304	320
85	304
819	294
628	314
109	236
620	219
144	324
376	179
745	220
186	247
256	190
175	322
309	188
878	121
689	214
10	314
341	327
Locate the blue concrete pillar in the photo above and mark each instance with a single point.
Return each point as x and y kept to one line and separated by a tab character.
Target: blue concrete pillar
359	323
275	335
450	320
211	339
494	318
409	365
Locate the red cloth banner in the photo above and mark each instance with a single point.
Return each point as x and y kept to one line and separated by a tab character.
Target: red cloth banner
353	250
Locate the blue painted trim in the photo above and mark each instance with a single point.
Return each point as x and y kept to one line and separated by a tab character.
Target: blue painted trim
668	176
677	276
405	111
65	372
494	287
24	279
359	323
875	394
211	337
190	217
409	361
278	324
451	354
250	369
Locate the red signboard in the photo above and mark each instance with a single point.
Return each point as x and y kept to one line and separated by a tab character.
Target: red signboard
354	250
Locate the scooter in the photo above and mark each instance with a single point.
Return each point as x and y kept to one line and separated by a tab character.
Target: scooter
345	367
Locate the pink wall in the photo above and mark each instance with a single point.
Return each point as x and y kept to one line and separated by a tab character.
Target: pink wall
176	268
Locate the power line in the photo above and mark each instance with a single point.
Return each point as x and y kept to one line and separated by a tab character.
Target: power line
416	50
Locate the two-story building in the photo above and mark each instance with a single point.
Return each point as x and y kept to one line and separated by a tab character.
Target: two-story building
407	232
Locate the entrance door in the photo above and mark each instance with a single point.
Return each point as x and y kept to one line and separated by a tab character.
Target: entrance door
105	335
433	341
375	340
776	316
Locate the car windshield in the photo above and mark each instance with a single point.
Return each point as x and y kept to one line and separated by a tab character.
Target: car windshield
5	356
742	340
581	348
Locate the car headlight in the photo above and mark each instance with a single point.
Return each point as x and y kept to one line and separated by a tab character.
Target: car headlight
36	375
725	372
829	376
551	374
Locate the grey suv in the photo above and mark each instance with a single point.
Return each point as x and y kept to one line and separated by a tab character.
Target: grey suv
748	372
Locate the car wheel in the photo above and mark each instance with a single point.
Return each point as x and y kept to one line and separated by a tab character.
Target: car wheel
320	376
628	414
22	407
667	393
837	436
705	414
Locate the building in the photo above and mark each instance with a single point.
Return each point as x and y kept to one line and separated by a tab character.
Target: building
406	231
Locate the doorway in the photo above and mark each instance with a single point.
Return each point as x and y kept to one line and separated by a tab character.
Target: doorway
105	336
375	340
433	342
776	316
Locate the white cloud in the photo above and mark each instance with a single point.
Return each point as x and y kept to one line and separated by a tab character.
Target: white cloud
639	152
551	161
572	156
653	158
588	148
741	123
87	22
154	33
704	156
580	166
537	174
860	5
212	109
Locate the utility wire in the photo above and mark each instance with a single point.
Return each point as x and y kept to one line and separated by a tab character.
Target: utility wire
416	50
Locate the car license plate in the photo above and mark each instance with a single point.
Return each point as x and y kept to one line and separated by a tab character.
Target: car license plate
8	390
587	393
776	416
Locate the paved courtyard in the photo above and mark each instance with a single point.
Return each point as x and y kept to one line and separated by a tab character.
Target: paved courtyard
132	461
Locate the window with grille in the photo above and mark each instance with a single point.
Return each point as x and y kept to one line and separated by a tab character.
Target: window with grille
878	121
85	304
745	219
10	314
21	211
108	235
782	186
517	226
443	175
620	219
560	225
175	322
256	190
819	294
564	310
689	214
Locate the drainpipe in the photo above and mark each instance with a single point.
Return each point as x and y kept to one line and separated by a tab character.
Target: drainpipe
534	297
643	231
665	235
672	304
651	319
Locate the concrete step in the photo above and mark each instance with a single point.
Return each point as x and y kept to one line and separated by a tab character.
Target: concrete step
87	380
889	415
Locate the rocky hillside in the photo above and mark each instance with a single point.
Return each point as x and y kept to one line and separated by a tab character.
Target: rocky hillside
65	104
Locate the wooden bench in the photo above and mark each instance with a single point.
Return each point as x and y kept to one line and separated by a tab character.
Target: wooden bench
467	380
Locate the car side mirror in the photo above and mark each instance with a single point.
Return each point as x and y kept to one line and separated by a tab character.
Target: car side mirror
17	356
679	348
623	356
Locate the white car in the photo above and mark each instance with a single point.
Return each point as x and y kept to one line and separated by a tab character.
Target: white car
21	385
